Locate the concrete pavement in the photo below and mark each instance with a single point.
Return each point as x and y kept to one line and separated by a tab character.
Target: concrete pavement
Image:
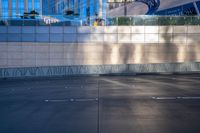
104	104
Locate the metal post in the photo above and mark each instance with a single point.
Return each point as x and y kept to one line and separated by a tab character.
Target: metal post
10	8
125	8
98	108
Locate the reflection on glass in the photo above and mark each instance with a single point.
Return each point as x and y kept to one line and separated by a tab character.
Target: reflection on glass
121	21
150	20
137	20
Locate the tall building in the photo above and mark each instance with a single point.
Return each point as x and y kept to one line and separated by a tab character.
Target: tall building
48	7
154	7
16	8
83	9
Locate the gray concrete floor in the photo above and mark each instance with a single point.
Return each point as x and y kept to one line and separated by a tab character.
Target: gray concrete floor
105	104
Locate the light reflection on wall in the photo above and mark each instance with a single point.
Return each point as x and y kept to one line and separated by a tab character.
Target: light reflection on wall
115	54
181	54
138	54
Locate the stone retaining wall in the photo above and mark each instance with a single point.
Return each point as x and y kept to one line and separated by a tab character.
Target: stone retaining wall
98	50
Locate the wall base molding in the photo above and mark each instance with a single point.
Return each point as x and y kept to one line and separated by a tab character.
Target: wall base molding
49	71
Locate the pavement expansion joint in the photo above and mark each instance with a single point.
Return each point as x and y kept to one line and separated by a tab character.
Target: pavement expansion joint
72	100
176	98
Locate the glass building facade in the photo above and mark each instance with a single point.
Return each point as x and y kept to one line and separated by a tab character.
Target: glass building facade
85	11
48	7
16	8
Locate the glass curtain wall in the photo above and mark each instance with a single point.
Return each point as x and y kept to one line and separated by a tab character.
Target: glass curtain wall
84	11
16	8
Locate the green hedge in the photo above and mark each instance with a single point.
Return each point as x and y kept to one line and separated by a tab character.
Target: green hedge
155	20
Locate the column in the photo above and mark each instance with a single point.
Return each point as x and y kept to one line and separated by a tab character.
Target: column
80	8
41	7
65	5
95	6
25	5
125	8
9	8
0	9
87	4
33	5
88	12
196	8
48	7
17	8
100	11
75	6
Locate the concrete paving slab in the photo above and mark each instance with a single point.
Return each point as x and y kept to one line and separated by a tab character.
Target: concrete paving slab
104	104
